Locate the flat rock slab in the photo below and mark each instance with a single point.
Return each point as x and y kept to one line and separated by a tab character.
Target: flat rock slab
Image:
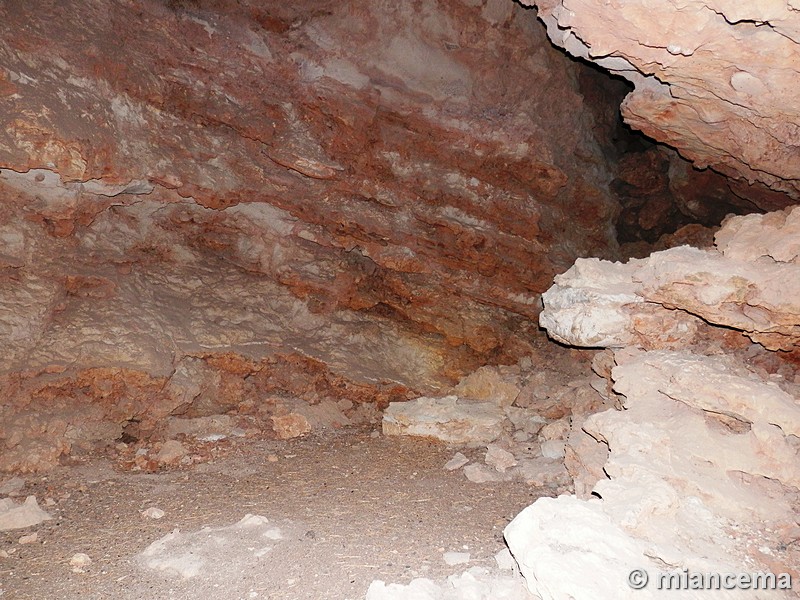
242	546
14	516
450	419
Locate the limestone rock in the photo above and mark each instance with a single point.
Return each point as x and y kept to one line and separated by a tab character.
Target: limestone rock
505	561
543	472
546	395
561	544
153	513
187	555
772	237
761	299
290	426
449	419
14	516
456	558
323	415
171	453
719	92
553	449
598	303
478	473
585	459
28	539
686	445
499	458
455	463
689	422
79	561
584	306
525	420
698	445
12	486
556	430
488	384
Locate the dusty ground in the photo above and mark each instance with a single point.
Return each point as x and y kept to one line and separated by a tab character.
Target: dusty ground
351	508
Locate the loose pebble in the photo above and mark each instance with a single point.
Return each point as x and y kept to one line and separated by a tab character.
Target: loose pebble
458	461
79	561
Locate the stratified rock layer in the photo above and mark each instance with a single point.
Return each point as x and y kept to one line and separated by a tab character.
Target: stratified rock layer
749	282
716	79
337	198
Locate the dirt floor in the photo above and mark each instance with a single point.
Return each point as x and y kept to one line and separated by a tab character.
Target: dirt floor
344	508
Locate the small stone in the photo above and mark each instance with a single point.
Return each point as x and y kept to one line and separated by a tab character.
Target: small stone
11	487
79	561
29	539
553	449
290	426
543	472
49	502
534	425
458	461
4	554
499	458
456	558
171	453
557	430
153	513
273	458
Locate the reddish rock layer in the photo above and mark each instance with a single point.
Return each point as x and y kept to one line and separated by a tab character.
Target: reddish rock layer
382	188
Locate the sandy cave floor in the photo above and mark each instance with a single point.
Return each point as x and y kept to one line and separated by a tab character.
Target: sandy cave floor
350	507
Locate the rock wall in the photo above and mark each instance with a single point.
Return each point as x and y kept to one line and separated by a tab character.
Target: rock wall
219	200
716	79
701	475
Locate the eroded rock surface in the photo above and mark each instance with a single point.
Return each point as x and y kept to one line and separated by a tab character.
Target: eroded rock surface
319	200
700	457
715	79
742	284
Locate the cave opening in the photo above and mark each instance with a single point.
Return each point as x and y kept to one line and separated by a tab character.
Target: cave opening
442	299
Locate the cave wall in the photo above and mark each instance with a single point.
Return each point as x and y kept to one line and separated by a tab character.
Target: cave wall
211	201
715	79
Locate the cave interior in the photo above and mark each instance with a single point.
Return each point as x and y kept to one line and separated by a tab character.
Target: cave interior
383	300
